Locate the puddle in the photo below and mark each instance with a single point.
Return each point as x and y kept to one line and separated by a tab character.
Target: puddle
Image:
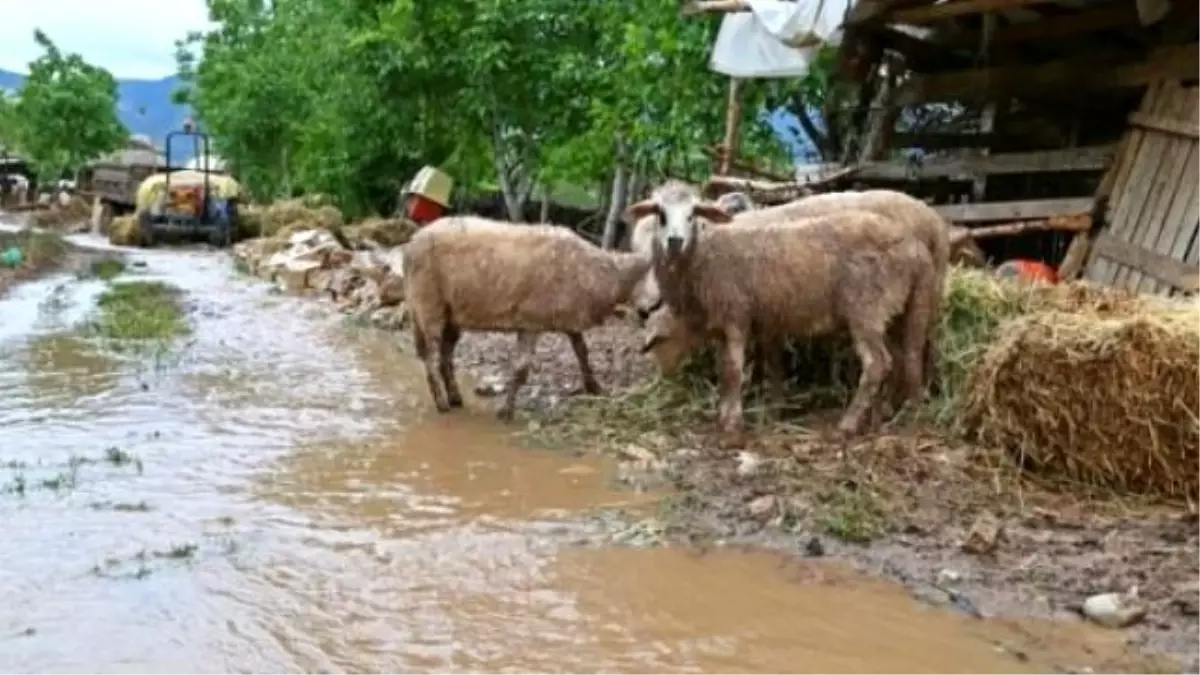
280	498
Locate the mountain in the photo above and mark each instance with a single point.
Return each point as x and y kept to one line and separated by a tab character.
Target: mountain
143	106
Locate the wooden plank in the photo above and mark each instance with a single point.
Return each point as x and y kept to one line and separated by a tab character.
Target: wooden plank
1091	158
1076	74
949	10
1167	125
1050	28
1160	182
1185	210
1175	272
1132	196
1099	269
1019	210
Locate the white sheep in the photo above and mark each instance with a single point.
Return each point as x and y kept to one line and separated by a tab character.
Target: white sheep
849	269
470	273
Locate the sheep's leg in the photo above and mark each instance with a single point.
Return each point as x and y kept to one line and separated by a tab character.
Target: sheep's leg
917	336
432	360
872	349
771	356
450	337
522	362
729	415
590	385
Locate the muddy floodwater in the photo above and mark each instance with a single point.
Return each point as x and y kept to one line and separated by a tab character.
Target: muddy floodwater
275	495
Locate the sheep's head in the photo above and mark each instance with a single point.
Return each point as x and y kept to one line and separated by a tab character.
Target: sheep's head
677	208
734	203
667	340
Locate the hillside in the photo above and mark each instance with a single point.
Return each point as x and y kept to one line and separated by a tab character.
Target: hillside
144	107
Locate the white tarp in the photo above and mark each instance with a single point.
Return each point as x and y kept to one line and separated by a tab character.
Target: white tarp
776	38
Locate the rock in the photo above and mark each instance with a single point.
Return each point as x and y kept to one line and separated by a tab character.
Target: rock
814	548
748	463
763	507
1187	598
293	278
1114	610
985	534
948	577
638	453
391	291
490	385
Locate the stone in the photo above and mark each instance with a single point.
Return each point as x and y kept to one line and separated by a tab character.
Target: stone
748	463
984	536
763	507
1114	610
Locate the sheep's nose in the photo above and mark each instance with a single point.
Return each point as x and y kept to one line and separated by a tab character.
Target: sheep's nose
643	314
674	245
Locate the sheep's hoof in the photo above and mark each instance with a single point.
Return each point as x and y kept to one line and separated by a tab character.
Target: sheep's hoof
505	414
456	401
442	407
849	428
591	389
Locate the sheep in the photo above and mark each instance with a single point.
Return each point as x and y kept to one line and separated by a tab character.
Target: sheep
901	210
471	273
851	268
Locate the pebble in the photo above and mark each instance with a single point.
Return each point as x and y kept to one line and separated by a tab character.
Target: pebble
814	548
748	463
1114	610
948	577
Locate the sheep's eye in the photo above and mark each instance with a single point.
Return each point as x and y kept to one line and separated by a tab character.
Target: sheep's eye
660	217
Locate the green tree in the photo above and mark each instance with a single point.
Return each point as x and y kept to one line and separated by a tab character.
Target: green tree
66	112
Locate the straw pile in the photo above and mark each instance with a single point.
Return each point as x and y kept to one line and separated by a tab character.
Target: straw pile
74	212
385	232
283	218
124	231
1106	398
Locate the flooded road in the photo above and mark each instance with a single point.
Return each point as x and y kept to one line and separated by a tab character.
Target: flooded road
277	496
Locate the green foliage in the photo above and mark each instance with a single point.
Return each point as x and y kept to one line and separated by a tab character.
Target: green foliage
66	113
350	98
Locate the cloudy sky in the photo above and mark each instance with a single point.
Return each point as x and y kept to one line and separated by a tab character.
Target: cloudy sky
133	39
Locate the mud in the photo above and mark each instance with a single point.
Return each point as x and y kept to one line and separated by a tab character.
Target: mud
273	493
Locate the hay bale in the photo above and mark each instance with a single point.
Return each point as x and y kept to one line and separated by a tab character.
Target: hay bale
249	222
124	231
385	232
1105	398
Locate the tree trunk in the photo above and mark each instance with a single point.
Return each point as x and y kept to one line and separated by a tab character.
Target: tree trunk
616	204
545	215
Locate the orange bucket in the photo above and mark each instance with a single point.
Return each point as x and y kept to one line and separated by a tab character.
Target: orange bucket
1027	270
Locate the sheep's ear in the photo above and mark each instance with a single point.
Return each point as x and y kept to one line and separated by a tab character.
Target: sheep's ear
638	210
713	213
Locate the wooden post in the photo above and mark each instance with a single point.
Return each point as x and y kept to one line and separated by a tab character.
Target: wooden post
733	119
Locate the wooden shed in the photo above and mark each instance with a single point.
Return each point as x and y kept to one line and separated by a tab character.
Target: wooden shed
1045	111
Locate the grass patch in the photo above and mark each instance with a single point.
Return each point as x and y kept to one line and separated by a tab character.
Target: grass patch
107	268
140	310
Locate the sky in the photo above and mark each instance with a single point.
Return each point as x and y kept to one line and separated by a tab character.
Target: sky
132	39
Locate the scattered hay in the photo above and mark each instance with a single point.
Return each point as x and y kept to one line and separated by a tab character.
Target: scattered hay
385	232
124	231
1109	401
57	215
283	218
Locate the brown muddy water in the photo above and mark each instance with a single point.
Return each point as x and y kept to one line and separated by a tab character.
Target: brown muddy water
276	496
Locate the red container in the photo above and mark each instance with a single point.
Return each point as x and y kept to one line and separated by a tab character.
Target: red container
1028	270
422	210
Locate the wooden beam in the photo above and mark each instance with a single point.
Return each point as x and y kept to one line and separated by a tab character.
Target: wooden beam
956	8
1165	125
1022	210
1073	75
1093	158
1123	14
1162	267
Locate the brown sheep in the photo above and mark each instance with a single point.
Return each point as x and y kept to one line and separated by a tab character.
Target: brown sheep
849	269
903	211
470	273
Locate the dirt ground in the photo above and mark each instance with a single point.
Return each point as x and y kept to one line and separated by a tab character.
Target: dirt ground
899	503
